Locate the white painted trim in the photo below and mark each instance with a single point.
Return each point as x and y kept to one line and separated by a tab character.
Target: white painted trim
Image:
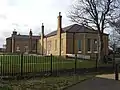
18	50
89	52
71	55
95	51
79	51
79	56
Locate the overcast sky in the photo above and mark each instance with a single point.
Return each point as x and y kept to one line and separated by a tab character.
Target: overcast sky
25	14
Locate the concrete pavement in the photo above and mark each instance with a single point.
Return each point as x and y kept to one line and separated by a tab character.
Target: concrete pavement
108	76
100	82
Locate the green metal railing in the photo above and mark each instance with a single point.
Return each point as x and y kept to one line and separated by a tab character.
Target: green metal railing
22	64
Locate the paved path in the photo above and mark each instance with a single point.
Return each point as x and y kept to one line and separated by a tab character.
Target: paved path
100	82
108	76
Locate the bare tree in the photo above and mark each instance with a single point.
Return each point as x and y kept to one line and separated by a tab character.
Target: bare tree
115	35
114	38
95	14
115	24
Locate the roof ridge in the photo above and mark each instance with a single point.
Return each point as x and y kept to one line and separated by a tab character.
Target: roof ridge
27	35
63	28
70	27
78	25
73	28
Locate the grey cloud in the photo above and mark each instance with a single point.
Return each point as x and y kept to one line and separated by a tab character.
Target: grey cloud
2	41
20	25
12	2
25	25
3	16
15	24
6	33
37	29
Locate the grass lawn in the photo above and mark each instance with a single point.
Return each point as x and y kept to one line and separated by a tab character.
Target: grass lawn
12	63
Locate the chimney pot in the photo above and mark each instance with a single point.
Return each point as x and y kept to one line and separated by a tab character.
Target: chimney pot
59	13
43	29
42	24
14	32
30	33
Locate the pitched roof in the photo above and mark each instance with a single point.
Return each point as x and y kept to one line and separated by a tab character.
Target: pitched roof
75	28
24	37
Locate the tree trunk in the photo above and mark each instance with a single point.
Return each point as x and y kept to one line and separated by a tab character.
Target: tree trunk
100	48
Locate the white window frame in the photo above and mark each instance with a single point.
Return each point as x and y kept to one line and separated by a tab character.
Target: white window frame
79	51
89	52
18	49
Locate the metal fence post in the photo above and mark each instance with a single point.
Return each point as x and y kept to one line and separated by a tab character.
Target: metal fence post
116	72
2	65
96	64
113	61
75	64
21	64
51	64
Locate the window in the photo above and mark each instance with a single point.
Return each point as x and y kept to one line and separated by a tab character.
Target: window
49	47
55	45
95	44
79	45
88	44
26	48
17	48
61	44
34	46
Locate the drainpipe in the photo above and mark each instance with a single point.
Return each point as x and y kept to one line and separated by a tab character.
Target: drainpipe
73	43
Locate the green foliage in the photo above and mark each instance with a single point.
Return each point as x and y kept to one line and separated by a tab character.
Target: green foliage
5	88
50	83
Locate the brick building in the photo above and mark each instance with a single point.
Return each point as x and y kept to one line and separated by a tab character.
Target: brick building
22	43
70	40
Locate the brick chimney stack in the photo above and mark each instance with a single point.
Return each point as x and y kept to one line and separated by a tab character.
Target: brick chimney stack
13	40
42	39
59	23
30	33
30	41
59	31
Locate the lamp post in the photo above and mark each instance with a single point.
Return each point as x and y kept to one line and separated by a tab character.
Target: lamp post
113	55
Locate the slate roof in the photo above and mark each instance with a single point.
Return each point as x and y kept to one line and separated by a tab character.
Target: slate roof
24	37
75	28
